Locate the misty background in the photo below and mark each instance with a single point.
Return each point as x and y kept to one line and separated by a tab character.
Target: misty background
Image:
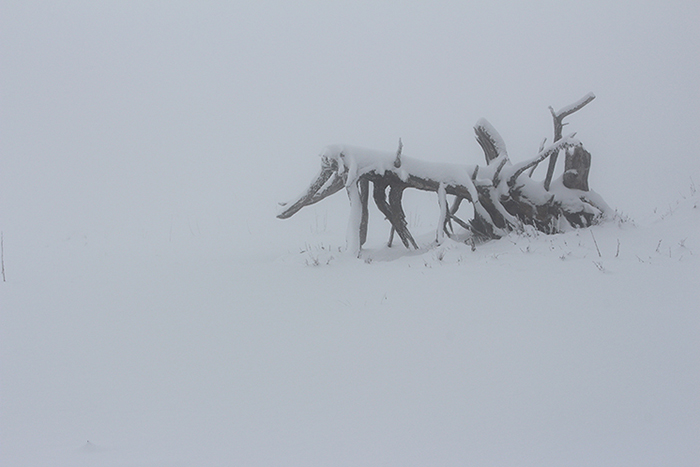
158	121
157	313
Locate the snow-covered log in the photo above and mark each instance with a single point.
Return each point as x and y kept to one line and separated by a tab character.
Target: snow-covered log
503	196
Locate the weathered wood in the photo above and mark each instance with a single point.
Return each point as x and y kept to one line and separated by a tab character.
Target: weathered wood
551	151
352	236
397	161
364	198
304	200
399	217
395	216
502	200
577	164
490	141
558	118
336	184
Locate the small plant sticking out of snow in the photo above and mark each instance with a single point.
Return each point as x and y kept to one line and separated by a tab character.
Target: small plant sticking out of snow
320	255
596	245
440	254
693	190
622	219
530	231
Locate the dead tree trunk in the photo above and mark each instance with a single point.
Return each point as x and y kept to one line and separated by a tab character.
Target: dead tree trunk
504	199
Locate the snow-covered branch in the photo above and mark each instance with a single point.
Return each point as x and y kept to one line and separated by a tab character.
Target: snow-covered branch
490	141
571	108
550	150
558	118
502	201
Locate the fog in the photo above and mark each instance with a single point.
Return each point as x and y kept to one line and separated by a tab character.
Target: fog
144	146
148	114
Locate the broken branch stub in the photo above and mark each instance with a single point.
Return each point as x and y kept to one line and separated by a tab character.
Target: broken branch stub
397	161
577	164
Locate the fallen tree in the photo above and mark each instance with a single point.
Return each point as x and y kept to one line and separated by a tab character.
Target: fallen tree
503	194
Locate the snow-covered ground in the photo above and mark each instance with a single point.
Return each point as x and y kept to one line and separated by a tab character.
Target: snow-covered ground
281	350
154	312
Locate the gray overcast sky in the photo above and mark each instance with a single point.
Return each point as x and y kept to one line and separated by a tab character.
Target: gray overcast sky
130	111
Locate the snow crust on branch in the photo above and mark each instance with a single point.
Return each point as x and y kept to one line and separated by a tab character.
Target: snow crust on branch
490	141
356	162
516	170
571	108
321	179
580	201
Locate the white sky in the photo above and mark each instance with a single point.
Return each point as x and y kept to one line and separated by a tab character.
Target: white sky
134	135
130	112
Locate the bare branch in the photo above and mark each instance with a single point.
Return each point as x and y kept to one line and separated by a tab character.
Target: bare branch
558	118
575	107
364	198
496	180
532	170
336	184
321	179
463	224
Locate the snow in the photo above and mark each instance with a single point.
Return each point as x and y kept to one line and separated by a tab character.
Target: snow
353	231
530	350
576	105
359	161
442	203
156	313
577	200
